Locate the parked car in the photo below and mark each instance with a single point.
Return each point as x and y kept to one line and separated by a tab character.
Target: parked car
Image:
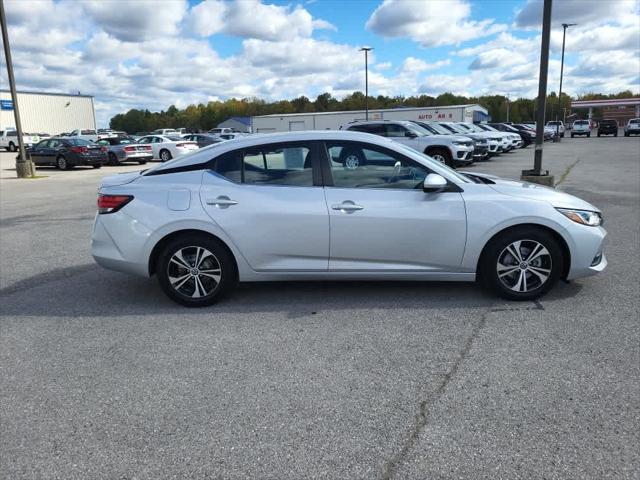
202	139
494	143
84	134
66	153
220	131
9	139
126	149
514	138
632	127
504	142
608	126
480	144
165	148
581	127
400	215
453	151
165	131
527	136
557	126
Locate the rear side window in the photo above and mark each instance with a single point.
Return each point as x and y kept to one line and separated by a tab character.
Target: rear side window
282	164
88	132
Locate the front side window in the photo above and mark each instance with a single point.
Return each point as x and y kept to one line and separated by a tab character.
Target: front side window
355	165
283	164
394	130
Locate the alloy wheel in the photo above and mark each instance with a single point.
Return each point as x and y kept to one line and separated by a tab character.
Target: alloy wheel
440	158
194	272
524	266
351	162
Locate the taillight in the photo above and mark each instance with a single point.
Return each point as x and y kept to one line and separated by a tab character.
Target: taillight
181	145
79	149
129	149
146	147
112	203
103	149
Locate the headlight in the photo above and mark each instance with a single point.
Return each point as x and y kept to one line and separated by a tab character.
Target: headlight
461	144
585	217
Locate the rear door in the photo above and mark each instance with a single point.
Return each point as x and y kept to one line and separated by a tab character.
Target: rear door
269	200
38	152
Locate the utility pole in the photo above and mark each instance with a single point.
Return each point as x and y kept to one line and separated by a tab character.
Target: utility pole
537	175
366	51
564	35
508	103
24	167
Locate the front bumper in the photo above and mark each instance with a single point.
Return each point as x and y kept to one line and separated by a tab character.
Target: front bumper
589	246
481	152
632	131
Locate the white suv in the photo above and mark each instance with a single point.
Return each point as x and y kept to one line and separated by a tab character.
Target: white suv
632	127
557	126
581	127
447	149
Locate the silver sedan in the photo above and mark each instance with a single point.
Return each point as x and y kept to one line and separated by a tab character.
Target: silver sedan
296	206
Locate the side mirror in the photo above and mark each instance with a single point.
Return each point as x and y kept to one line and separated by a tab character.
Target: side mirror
434	183
410	134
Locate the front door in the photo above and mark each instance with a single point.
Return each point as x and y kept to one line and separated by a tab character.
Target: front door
271	204
380	218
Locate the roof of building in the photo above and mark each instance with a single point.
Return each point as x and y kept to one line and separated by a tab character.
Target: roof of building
47	93
244	120
379	110
606	103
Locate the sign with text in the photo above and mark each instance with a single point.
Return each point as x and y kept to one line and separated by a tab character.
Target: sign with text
6	105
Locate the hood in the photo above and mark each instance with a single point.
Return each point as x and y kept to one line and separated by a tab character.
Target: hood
453	138
534	191
120	179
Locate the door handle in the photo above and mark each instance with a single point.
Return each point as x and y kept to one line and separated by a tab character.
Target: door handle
347	206
221	202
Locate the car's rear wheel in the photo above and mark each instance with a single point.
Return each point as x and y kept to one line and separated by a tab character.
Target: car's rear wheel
62	163
142	162
12	147
442	155
165	155
523	264
97	166
572	135
113	160
195	270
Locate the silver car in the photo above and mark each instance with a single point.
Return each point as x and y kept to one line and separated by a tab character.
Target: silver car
126	149
295	206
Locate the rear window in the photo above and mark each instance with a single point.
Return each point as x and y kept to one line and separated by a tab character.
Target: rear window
609	122
78	141
581	122
87	132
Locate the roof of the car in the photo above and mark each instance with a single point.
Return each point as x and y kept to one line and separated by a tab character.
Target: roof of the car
207	153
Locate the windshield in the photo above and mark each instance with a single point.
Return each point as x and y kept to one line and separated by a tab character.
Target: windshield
435	128
417	129
581	122
430	161
488	128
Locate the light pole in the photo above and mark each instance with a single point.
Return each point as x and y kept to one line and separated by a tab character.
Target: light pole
564	35
366	51
537	175
24	167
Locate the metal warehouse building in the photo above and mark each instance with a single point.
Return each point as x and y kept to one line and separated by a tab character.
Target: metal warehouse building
333	120
53	113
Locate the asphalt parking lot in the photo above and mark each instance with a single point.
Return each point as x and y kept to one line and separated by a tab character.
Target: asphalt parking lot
101	376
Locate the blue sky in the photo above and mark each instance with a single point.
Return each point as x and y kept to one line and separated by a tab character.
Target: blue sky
153	54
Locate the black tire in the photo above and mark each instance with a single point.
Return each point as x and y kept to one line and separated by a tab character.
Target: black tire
598	133
562	135
572	135
352	158
496	250
615	134
142	162
12	147
62	163
220	259
588	135
442	155
113	160
626	134
97	166
165	155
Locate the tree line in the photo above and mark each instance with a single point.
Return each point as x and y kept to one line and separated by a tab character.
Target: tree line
207	116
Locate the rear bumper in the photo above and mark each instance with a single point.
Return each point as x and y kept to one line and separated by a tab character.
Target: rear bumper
80	160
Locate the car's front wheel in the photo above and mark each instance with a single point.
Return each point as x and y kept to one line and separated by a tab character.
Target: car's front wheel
195	270
442	155
62	163
523	264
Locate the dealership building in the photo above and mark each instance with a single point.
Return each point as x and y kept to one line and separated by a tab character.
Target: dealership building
333	120
44	112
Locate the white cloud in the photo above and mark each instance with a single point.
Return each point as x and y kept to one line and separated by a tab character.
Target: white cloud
136	20
253	19
431	23
577	11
